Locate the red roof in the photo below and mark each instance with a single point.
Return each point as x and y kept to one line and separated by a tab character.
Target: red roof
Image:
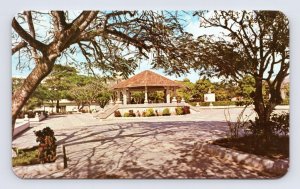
147	78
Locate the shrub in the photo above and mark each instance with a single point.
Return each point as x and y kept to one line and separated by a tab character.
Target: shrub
193	103
131	113
30	114
40	112
217	103
179	110
138	113
149	112
186	110
285	102
280	123
166	112
243	103
47	145
126	114
118	113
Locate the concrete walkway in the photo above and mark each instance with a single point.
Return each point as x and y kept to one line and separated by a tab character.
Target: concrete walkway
157	147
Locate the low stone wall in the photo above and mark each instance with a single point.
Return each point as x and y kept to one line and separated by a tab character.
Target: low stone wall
21	126
278	167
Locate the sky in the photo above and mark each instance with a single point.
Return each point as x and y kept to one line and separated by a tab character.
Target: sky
191	27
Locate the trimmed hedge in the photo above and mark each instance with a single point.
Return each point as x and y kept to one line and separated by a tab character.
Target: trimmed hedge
186	110
217	103
182	110
118	113
179	110
166	112
131	113
149	112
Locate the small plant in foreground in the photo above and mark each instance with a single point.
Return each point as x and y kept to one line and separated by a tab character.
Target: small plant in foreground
47	145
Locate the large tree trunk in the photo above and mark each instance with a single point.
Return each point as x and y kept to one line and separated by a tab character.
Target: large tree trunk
89	107
263	110
21	95
57	106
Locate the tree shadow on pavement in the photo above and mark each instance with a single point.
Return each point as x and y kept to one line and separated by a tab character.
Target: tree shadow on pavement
147	150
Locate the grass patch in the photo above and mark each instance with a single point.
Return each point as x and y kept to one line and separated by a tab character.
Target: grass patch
26	157
277	149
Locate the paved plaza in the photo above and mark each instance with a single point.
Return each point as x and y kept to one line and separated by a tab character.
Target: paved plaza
155	147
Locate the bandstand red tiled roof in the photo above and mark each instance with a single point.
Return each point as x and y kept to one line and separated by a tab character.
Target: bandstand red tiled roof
147	78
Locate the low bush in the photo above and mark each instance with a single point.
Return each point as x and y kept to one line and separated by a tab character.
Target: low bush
278	125
193	103
118	113
223	103
166	112
277	149
285	102
243	103
22	114
83	111
149	112
186	110
41	111
126	114
30	114
47	145
131	113
217	103
179	110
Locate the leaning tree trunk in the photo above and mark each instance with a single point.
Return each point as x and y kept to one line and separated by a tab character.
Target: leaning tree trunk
20	96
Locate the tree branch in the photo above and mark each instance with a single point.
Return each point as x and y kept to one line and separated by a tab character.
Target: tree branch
32	31
60	19
27	37
18	47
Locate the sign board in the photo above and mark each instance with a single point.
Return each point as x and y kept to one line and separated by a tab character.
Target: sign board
210	97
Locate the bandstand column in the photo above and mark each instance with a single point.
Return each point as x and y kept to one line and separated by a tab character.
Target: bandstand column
128	97
118	97
146	95
124	92
174	100
168	95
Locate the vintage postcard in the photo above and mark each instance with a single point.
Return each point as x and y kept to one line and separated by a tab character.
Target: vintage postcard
150	94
